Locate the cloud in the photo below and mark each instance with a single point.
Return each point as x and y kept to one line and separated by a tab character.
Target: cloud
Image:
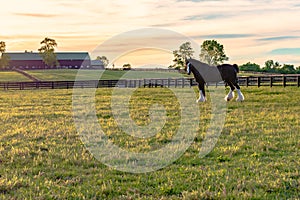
42	15
205	17
225	36
197	0
278	38
285	51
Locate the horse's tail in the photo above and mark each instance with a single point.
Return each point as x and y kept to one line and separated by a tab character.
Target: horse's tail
236	68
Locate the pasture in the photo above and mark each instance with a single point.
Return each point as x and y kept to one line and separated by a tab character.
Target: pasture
257	154
70	74
7	76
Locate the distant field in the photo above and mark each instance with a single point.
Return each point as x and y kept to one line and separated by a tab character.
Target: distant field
7	76
71	74
256	157
244	73
249	74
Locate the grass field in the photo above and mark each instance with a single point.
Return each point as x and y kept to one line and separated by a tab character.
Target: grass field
6	76
70	74
256	157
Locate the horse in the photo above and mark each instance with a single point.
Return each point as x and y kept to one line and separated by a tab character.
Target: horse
205	73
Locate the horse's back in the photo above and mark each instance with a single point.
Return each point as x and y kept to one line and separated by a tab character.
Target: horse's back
208	73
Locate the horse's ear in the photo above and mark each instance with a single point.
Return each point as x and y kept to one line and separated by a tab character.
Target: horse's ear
187	60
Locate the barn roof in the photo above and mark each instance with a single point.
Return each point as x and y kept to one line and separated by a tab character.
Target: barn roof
96	62
59	56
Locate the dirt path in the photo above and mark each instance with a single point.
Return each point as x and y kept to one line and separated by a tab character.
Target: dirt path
27	75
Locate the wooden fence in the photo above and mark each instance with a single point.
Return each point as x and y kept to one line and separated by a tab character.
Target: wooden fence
284	80
122	83
271	80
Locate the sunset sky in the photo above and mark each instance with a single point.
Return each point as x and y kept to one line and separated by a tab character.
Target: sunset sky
250	30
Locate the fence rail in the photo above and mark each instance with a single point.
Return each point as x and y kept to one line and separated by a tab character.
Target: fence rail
284	80
271	80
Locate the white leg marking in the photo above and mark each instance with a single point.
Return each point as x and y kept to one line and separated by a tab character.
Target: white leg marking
201	97
240	96
229	96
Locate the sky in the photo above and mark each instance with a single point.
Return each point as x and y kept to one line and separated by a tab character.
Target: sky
250	30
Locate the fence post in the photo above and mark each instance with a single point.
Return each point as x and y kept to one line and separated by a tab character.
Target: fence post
271	81
284	81
247	81
258	81
298	81
176	83
182	79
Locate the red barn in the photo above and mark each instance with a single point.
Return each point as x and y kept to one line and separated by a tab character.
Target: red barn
33	60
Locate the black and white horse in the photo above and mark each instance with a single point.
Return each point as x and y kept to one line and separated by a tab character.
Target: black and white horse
205	73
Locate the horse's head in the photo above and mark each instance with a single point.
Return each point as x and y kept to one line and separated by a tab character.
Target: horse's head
187	67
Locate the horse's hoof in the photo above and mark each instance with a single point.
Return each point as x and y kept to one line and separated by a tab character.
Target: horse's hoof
201	100
239	100
229	98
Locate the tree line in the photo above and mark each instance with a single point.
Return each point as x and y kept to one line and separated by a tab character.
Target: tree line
271	66
213	53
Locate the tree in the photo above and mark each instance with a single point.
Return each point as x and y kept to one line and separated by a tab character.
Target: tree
104	60
47	52
271	66
178	60
126	66
212	53
288	69
298	70
250	67
4	60
2	47
185	51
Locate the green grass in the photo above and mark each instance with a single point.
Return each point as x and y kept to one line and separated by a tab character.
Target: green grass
70	74
12	76
256	157
244	73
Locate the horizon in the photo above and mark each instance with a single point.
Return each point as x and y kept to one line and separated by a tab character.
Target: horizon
250	30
